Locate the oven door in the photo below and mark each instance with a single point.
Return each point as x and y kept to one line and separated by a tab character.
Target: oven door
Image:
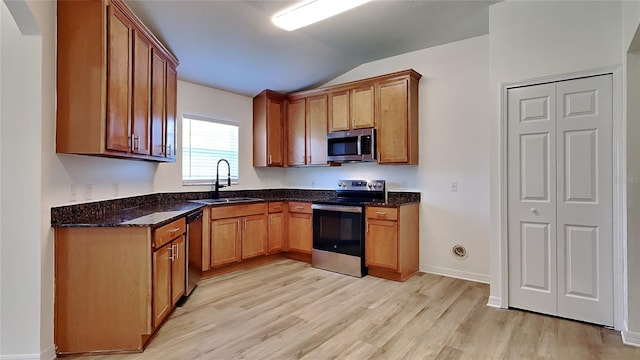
338	229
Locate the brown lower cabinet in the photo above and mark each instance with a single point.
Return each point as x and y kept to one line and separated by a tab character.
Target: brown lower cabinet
115	285
392	241
300	228
168	278
237	232
277	221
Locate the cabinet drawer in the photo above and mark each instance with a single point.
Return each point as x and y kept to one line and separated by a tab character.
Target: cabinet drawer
376	212
276	207
230	211
166	233
300	207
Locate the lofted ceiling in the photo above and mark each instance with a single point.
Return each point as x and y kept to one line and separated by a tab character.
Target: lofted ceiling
233	46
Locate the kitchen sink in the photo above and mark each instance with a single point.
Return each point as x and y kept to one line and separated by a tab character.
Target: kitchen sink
230	200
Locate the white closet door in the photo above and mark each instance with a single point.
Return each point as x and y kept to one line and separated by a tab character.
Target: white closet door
585	180
560	199
532	193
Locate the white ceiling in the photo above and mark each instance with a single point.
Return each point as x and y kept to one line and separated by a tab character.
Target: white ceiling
233	46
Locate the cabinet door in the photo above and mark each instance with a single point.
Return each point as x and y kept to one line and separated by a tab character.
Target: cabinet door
296	132
275	122
161	284
254	236
381	244
276	232
300	233
141	109
362	107
392	122
178	266
339	111
171	98
317	130
225	241
158	78
118	82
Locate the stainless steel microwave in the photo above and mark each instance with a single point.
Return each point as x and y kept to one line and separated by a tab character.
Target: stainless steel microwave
353	145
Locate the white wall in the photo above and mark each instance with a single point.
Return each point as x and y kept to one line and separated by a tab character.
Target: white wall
534	39
631	44
20	188
28	146
212	103
454	146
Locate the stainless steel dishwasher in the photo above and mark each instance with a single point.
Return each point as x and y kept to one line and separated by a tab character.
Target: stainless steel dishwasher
194	247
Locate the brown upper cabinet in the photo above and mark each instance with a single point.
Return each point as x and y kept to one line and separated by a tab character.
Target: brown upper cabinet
397	119
268	129
388	103
140	128
116	84
352	108
306	124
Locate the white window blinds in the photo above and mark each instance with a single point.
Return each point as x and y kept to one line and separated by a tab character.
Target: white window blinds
204	142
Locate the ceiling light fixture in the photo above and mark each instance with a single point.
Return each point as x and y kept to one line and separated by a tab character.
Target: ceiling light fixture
311	11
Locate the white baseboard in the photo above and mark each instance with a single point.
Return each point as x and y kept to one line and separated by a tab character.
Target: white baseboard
48	354
20	357
495	301
464	275
631	338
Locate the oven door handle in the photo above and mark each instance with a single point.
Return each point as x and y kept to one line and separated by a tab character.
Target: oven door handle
338	208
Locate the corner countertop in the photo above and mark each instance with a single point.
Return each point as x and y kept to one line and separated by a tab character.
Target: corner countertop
153	215
156	210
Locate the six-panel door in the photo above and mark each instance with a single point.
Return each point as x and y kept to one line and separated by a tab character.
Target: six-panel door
560	199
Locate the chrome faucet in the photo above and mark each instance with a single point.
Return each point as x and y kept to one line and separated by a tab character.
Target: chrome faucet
217	186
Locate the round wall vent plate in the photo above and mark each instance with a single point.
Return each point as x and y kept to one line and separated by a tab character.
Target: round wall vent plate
459	252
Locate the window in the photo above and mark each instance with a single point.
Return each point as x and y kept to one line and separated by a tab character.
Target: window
204	142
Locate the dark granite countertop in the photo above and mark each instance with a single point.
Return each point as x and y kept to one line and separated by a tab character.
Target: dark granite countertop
154	215
159	209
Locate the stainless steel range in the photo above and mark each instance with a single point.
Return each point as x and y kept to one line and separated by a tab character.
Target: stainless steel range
339	226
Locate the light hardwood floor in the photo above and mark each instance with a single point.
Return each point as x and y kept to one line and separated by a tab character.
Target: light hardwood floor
289	310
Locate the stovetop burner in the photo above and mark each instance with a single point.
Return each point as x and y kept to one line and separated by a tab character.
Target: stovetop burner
357	192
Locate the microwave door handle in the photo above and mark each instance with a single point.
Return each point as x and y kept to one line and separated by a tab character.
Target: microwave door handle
359	145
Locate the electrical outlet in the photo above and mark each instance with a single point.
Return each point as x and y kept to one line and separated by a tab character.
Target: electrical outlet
88	191
72	192
403	184
453	186
313	183
116	188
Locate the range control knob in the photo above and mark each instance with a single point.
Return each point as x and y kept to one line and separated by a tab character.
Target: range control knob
342	185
